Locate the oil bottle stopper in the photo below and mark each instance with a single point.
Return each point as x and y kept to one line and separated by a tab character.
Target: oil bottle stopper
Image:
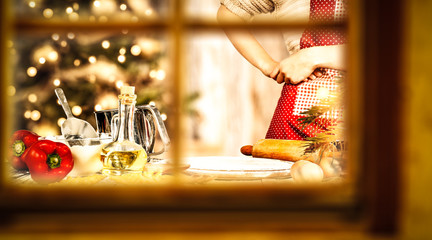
127	90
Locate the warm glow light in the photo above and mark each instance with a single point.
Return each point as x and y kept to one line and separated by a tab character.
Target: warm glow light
151	103
74	16
35	115
60	121
121	58
164	117
107	101
135	50
69	10
98	107
45	129
112	78
149	46
123	7
32	98
31	71
92	59
71	35
76	110
75	6
103	19
106	44
55	37
45	53
161	75
11	90
122	51
322	93
48	13
63	43
153	73
148	12
96	3
32	4
27	114
119	84
92	78
52	56
56	82
77	62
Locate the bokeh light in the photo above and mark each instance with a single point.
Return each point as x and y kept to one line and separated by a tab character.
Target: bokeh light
11	90
55	37
32	98
27	114
31	71
92	59
77	62
76	110
35	115
60	121
121	58
69	10
135	50
56	82
48	13
119	84
106	44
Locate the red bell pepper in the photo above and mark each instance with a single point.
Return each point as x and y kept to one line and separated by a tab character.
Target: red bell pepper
20	141
48	161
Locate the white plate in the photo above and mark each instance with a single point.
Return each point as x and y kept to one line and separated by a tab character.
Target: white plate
238	168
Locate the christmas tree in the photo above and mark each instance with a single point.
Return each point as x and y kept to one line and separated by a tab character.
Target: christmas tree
89	67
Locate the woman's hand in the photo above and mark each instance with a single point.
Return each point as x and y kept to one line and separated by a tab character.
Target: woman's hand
297	68
270	68
303	65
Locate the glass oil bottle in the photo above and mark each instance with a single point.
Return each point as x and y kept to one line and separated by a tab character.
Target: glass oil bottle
123	155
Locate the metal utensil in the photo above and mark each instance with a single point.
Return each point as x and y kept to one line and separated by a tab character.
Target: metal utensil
74	128
148	125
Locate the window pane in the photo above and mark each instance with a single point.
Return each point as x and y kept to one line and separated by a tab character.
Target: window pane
90	68
93	11
231	104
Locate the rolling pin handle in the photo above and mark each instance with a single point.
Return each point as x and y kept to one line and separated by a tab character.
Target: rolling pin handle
246	150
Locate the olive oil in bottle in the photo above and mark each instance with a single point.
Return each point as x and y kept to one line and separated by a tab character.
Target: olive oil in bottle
123	155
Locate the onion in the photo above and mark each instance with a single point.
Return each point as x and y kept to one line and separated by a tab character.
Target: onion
330	167
306	172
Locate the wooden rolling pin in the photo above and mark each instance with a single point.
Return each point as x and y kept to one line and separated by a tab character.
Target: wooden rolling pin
288	150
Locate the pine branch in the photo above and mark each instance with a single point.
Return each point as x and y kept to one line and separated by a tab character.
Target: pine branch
324	140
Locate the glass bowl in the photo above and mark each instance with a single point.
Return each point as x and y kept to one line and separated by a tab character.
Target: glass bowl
85	153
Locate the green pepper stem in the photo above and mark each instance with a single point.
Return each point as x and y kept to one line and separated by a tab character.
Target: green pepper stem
18	148
53	160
